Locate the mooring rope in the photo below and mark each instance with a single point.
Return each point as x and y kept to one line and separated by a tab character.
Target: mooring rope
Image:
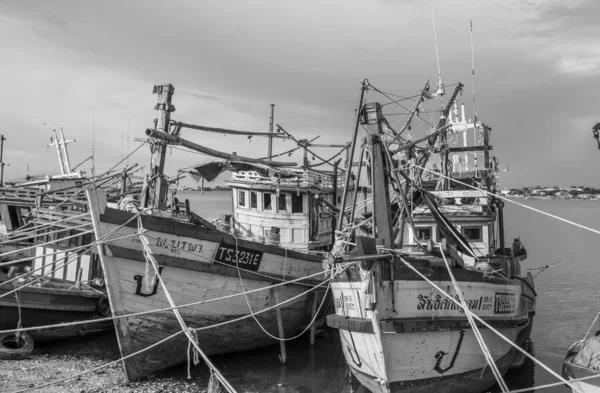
150	258
73	259
294	281
487	325
172	336
476	332
313	319
596	231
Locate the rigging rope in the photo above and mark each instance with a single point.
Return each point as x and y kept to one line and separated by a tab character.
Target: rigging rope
488	193
480	320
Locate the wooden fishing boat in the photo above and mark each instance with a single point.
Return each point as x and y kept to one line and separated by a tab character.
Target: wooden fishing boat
47	277
276	235
401	333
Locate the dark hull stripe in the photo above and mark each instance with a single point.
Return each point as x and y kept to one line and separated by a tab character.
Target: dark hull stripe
214	268
433	273
407	325
167	225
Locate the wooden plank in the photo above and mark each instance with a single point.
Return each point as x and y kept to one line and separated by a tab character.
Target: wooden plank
283	356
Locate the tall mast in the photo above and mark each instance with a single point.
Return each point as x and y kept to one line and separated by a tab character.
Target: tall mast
270	152
157	185
350	157
382	217
60	143
63	147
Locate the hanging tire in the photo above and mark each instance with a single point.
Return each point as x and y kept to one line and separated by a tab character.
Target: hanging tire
103	306
12	348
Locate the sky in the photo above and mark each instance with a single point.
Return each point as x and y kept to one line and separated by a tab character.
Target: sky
89	67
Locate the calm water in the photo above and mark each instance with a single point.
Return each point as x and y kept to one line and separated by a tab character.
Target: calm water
567	302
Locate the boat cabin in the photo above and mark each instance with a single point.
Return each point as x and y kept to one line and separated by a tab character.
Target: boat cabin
291	205
468	210
59	232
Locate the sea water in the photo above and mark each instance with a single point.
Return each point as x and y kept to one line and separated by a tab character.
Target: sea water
567	303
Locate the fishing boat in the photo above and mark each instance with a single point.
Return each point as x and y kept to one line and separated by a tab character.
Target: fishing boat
47	276
426	251
281	225
581	361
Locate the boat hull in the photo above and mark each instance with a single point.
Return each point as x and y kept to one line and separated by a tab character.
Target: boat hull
51	306
573	371
195	273
411	340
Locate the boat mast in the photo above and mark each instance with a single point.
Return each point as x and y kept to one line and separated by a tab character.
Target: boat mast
156	184
2	164
382	217
350	158
270	152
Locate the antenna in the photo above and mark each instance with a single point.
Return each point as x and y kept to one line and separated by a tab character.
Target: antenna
93	143
127	140
122	131
473	74
270	150
437	54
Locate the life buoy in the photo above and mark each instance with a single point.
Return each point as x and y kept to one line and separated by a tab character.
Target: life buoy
15	348
103	306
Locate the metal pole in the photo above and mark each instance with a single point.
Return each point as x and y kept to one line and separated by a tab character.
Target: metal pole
355	196
2	139
270	152
351	157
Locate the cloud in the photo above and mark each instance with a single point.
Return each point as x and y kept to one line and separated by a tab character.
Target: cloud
566	34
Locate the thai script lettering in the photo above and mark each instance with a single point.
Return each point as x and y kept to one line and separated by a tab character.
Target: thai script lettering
174	245
442	303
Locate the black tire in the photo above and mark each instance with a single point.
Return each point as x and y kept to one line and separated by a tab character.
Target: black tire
13	349
103	306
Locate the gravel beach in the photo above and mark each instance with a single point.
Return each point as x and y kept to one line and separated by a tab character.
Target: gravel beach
58	360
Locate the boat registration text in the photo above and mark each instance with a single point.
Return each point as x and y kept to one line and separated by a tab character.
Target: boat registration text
238	256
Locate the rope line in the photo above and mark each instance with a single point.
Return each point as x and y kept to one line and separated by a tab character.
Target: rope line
256	319
184	327
487	325
488	193
161	309
476	332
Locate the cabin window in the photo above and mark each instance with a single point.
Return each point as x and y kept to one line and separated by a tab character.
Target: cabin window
297	203
267	202
281	203
253	200
242	198
423	234
440	235
472	233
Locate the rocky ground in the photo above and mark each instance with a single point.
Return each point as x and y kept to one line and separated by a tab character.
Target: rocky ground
55	361
308	370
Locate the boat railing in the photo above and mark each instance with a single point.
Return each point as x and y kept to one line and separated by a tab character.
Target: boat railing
28	195
302	179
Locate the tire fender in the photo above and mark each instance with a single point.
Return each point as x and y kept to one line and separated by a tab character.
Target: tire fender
13	349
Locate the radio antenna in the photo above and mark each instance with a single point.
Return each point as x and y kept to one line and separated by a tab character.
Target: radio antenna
473	71
437	53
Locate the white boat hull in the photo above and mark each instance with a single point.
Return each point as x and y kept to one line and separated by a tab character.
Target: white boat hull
410	339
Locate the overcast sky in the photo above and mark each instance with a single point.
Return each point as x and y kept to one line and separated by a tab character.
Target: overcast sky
90	66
